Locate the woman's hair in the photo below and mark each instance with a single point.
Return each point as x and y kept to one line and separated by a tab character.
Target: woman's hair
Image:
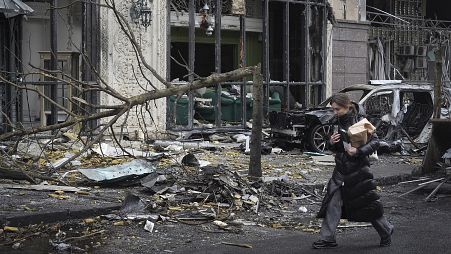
343	100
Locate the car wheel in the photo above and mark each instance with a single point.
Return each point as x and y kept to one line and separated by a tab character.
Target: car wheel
318	137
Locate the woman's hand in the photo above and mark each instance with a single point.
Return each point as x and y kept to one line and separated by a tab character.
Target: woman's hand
352	151
334	138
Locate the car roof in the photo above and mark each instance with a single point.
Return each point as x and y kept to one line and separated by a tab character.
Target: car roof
420	86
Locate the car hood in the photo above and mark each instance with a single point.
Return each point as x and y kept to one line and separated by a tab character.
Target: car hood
324	115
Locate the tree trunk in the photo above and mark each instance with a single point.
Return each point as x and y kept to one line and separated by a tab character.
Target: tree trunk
255	167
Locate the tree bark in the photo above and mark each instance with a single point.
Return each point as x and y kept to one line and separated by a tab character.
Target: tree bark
140	100
255	169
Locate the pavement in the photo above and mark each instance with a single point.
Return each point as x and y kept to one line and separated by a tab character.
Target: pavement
413	218
393	169
25	207
408	238
420	227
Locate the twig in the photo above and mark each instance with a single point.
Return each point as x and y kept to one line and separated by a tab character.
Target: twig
21	239
243	245
83	237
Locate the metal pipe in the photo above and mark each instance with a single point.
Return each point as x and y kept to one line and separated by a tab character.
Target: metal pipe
13	71
168	62
53	59
286	55
307	54
191	56
388	14
243	64
266	55
218	115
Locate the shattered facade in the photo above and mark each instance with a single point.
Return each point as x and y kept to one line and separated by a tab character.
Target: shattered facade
289	39
308	50
404	36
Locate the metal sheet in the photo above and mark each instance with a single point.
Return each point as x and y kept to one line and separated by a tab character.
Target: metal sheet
11	8
129	169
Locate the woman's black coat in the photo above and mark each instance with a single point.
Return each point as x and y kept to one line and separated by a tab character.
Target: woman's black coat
360	200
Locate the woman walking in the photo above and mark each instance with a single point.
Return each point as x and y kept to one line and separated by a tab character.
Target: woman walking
351	190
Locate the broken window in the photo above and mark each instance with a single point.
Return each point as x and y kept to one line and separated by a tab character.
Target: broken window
291	34
10	64
296	51
192	47
204	53
417	110
379	104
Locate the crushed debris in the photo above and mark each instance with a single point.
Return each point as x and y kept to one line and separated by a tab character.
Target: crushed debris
122	172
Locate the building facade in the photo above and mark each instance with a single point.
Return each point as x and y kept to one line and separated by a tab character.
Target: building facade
308	49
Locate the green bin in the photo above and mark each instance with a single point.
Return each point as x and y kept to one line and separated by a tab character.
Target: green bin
227	107
181	117
274	102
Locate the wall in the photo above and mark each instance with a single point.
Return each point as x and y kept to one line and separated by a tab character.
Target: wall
329	66
349	44
36	37
350	55
351	10
118	57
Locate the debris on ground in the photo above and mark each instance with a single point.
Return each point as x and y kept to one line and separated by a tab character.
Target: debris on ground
44	187
123	172
447	157
195	183
149	226
243	245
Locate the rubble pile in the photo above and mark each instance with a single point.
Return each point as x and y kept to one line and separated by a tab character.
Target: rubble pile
212	194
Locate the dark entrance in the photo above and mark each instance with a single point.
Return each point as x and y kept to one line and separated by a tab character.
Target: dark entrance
296	51
205	59
10	64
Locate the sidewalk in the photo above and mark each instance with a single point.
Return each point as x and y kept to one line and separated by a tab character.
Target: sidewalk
24	207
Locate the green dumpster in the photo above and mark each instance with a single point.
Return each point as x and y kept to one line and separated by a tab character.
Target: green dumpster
274	102
274	105
227	107
181	116
206	113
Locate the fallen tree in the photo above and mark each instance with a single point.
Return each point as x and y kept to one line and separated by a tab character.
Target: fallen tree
112	113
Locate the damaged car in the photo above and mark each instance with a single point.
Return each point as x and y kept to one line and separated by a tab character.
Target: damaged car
395	108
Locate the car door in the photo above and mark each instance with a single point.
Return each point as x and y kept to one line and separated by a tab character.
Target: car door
416	109
378	107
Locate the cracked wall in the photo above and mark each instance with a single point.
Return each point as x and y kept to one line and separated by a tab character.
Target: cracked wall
119	66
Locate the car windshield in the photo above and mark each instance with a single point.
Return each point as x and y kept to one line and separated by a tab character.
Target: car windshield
354	94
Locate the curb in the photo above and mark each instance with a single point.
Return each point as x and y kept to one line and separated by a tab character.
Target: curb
50	217
381	181
62	215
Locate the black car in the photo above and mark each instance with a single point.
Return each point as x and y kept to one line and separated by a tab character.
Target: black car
392	108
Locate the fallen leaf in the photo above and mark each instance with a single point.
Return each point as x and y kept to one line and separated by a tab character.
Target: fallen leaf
11	229
119	223
89	221
60	197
